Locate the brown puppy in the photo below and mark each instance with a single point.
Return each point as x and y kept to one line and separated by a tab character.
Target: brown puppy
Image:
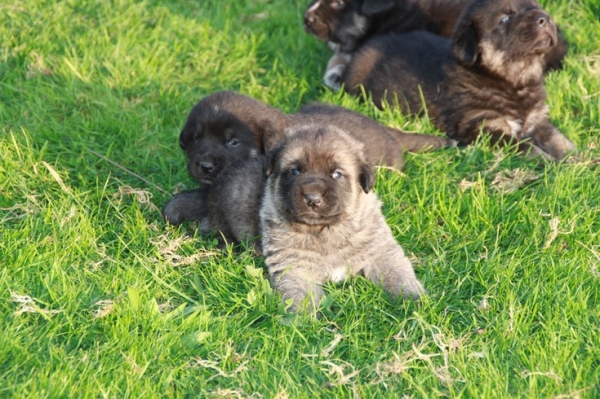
226	127
488	78
346	24
320	220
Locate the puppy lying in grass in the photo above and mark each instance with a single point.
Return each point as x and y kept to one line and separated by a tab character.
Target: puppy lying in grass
226	127
488	78
311	199
320	220
346	24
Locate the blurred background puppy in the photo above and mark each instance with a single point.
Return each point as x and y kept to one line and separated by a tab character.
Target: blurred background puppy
346	24
488	78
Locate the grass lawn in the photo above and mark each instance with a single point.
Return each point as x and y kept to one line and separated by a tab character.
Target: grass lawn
99	298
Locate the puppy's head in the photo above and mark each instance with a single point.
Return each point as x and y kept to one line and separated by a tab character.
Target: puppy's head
342	22
507	37
317	174
226	127
321	17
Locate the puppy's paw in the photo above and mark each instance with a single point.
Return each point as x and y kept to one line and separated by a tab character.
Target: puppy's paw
450	143
413	290
191	205
174	213
560	147
333	77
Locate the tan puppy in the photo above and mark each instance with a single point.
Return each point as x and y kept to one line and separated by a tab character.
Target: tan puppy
321	221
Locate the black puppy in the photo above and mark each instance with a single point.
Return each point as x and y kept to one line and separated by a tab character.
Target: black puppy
226	127
347	24
489	77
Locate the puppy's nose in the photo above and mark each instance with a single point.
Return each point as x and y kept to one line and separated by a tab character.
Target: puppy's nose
206	167
541	19
313	199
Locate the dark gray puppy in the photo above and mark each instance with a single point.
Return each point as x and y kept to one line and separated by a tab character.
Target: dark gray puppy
320	220
346	24
233	203
488	78
226	127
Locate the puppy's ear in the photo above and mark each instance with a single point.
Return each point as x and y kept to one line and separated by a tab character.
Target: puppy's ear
366	177
372	7
185	137
465	44
269	163
268	133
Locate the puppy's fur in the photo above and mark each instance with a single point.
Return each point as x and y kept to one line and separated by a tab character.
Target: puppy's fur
489	77
346	24
226	127
187	205
321	221
233	203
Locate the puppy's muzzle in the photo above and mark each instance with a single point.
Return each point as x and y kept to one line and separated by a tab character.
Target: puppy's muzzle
204	170
313	195
313	199
206	167
545	29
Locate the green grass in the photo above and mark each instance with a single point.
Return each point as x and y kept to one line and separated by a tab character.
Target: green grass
99	298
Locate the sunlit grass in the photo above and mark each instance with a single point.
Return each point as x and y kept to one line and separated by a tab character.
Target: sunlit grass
99	298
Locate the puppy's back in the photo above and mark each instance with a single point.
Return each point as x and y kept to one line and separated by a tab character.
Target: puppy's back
380	146
376	66
383	145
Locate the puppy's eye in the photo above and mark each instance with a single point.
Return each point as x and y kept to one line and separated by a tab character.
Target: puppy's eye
504	19
337	174
295	172
232	143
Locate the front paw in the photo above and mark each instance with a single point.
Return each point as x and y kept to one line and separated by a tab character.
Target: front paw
190	205
561	147
333	77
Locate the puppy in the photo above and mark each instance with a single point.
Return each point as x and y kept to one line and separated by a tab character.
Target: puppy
226	127
488	78
321	221
221	129
346	24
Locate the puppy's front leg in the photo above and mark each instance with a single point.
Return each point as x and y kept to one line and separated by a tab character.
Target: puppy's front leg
552	141
304	292
394	273
190	205
335	70
504	132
